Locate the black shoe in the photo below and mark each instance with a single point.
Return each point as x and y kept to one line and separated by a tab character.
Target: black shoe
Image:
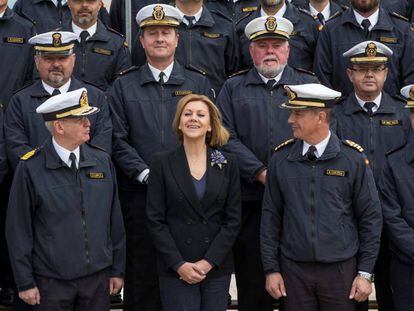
229	300
116	299
6	297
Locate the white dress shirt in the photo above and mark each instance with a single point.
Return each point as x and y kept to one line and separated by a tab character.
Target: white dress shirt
64	153
63	89
373	19
320	148
376	101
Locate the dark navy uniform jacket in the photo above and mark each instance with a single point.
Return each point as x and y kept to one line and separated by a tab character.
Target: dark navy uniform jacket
256	123
64	225
3	155
45	15
324	211
210	46
387	129
16	61
25	129
334	3
105	56
396	189
302	41
233	10
343	32
143	115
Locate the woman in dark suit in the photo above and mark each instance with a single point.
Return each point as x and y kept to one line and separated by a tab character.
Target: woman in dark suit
194	210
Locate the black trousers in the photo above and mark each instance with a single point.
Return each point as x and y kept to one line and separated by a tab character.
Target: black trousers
141	292
90	293
402	283
251	292
318	286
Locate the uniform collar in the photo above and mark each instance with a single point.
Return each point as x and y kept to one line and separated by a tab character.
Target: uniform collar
197	16
384	21
54	2
177	76
39	91
100	33
64	153
156	72
320	148
352	105
373	18
331	150
206	19
264	79
326	12
91	30
3	13
376	101
7	14
279	13
291	13
63	89
286	77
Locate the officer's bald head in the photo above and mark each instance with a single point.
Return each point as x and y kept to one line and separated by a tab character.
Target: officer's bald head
365	6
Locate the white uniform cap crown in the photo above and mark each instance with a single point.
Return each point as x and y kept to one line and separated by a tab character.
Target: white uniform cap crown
158	15
368	51
59	42
268	26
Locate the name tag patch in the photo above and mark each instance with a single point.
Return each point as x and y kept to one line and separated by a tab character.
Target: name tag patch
15	40
390	122
249	9
212	35
337	173
102	51
182	92
388	39
96	175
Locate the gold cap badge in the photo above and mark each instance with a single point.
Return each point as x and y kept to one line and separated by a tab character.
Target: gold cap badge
292	95
57	39
271	24
371	49
158	14
83	101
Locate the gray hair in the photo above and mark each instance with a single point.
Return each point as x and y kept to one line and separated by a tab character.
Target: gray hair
49	126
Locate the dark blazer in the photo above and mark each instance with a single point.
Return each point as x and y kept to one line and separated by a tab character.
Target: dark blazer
184	228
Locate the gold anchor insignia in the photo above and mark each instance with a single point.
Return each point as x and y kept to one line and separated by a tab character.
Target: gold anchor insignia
271	24
290	93
57	39
158	13
371	49
84	100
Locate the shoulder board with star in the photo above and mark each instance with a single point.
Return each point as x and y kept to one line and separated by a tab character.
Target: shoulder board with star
354	145
395	14
192	68
130	69
244	17
305	71
240	72
284	144
221	15
28	155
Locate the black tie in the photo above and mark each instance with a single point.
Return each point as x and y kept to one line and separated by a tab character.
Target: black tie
368	106
73	167
83	36
321	18
190	20
59	9
161	78
270	84
310	154
55	92
365	24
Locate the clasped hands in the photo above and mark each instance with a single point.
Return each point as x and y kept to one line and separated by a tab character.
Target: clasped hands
193	273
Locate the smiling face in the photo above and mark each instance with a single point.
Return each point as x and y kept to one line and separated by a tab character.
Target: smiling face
269	56
195	121
159	43
367	79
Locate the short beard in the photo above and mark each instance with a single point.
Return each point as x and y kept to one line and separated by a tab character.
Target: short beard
270	72
85	20
56	81
365	8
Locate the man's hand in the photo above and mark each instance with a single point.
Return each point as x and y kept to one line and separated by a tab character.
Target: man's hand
361	289
275	285
30	296
203	266
189	272
261	177
115	285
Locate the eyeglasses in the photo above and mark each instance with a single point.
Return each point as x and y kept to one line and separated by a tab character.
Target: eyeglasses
365	69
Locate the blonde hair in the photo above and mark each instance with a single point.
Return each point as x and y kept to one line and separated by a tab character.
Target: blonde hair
218	135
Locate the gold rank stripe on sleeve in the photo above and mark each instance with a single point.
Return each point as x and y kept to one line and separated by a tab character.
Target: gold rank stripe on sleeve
97	175
337	173
288	142
390	122
28	155
354	145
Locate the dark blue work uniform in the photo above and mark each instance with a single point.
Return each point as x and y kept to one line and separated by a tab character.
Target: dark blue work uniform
321	212
257	125
210	46
62	225
396	190
343	32
233	10
25	129
47	16
143	115
104	56
302	41
16	61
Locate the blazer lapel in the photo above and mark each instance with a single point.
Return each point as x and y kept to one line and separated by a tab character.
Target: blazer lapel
182	175
214	181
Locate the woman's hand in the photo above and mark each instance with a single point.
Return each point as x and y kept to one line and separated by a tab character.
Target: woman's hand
189	272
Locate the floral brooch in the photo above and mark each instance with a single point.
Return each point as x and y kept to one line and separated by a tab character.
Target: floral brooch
217	158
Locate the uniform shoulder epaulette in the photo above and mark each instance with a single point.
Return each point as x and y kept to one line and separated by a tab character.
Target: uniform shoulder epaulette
339	13
240	72
395	14
221	15
344	7
29	154
92	84
195	69
400	98
128	70
305	71
284	144
26	17
306	12
23	87
244	17
95	146
354	145
114	31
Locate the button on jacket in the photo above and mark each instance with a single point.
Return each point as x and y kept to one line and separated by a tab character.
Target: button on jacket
387	129
25	129
62	226
325	211
343	32
396	189
105	56
302	41
144	113
46	16
16	61
256	123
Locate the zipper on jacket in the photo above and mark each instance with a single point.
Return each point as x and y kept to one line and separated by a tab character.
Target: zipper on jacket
312	212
